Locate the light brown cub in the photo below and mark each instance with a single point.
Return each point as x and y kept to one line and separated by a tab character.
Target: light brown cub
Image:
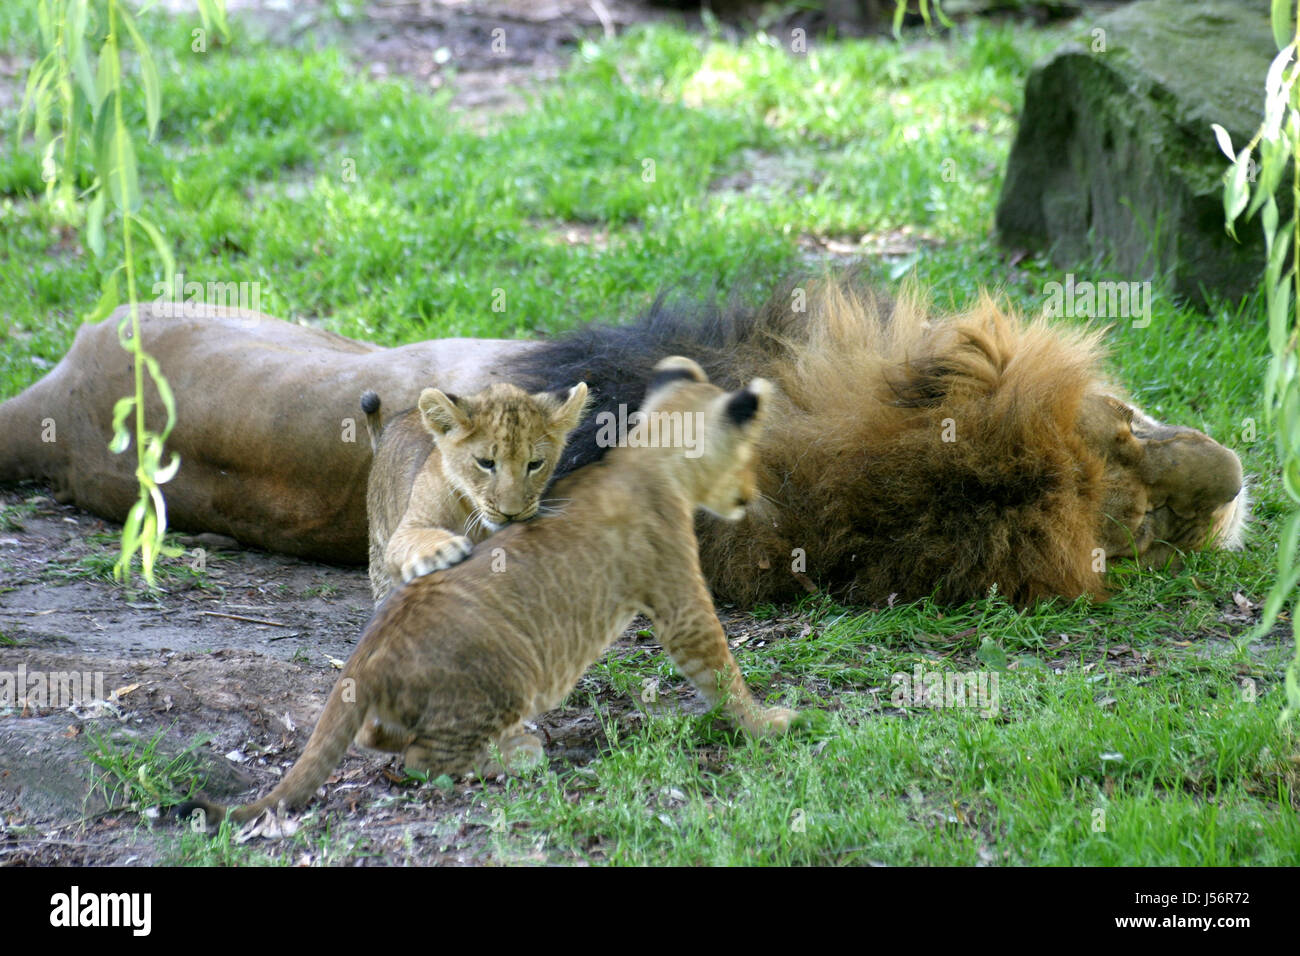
452	665
451	471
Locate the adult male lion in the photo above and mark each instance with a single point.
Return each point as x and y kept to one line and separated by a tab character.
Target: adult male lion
907	454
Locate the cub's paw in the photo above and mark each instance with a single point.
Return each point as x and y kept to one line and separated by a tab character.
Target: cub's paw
777	720
523	753
518	754
812	724
453	551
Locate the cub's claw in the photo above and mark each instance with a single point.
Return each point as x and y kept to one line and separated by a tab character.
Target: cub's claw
451	552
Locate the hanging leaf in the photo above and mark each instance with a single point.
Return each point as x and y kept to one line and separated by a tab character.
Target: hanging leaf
164	389
108	299
38	80
213	12
76	34
160	246
1235	195
120	173
1224	140
166	474
108	76
121	434
1273	158
899	10
1280	16
148	74
130	540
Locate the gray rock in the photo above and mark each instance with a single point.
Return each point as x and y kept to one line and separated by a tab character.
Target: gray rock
1115	158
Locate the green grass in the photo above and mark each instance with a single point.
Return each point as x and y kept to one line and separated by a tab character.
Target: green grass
98	564
1140	730
137	774
11	516
1192	785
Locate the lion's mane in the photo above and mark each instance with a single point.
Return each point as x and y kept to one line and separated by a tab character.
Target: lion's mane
909	456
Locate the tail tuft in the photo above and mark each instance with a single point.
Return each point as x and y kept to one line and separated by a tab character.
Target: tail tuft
212	813
374	427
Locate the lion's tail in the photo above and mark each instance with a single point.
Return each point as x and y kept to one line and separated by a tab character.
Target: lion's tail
338	724
374	427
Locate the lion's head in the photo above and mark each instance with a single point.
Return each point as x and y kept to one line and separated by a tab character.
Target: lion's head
911	455
1168	489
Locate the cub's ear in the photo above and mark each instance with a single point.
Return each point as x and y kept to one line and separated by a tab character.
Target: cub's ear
441	413
572	406
748	403
675	368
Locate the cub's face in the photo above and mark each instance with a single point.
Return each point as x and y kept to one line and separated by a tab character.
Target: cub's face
1167	489
720	472
734	486
499	447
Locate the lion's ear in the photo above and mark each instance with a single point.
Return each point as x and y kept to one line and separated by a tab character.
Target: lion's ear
441	413
1122	409
566	416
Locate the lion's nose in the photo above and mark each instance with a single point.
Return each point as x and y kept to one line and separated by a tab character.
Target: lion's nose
1193	470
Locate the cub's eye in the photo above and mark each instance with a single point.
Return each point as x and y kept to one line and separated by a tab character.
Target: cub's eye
534	465
487	464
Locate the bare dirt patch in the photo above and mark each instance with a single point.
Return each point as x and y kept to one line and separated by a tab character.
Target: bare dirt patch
490	54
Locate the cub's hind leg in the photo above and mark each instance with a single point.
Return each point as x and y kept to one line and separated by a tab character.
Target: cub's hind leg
378	735
693	637
470	753
450	753
475	724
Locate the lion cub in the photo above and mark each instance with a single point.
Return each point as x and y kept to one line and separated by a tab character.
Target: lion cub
471	464
451	666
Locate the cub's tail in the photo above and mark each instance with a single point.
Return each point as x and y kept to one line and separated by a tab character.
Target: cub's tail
339	722
374	427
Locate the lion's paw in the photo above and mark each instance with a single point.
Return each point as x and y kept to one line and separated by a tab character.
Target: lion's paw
453	551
